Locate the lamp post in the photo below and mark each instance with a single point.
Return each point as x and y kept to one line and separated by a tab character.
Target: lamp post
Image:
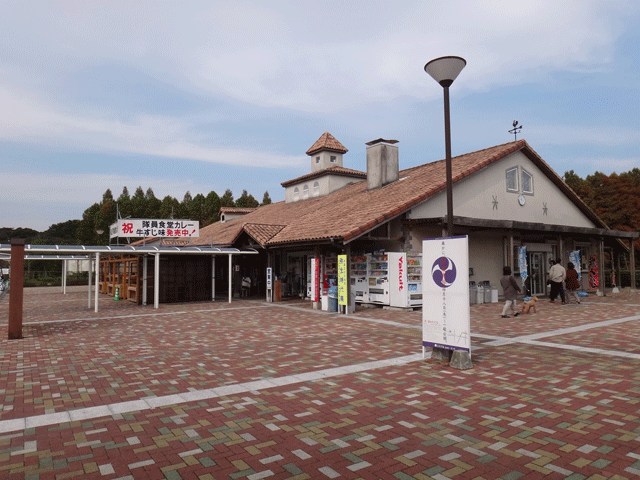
445	70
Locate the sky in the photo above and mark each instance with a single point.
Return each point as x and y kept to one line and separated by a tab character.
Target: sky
213	95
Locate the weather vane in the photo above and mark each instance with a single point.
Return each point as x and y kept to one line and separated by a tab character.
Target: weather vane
515	129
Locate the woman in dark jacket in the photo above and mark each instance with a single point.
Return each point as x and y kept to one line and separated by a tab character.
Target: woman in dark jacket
572	283
511	290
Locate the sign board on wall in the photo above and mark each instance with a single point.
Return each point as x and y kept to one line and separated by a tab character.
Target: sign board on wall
343	281
139	227
446	323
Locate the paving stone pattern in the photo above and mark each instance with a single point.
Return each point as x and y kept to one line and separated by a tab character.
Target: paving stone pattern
255	390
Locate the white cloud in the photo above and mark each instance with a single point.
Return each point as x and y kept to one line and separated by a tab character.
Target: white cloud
34	121
322	56
84	189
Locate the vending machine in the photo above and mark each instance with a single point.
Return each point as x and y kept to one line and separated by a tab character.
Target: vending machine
378	278
359	283
405	279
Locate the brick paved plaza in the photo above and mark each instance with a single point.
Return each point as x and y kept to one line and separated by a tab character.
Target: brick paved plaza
255	390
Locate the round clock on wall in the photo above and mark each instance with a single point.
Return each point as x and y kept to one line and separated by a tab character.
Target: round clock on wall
521	200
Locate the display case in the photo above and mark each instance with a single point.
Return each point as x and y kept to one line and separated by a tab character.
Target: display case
405	284
358	273
378	278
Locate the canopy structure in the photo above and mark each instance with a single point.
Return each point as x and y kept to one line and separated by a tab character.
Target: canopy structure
83	252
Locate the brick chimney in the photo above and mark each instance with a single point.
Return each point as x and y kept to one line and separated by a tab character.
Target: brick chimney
382	163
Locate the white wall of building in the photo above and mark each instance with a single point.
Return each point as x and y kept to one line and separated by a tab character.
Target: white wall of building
484	195
326	185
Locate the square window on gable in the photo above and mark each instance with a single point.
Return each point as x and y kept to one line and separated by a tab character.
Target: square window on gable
333	159
512	180
527	182
317	159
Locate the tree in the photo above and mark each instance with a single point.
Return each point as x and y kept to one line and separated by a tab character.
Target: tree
169	207
64	233
124	203
153	205
227	199
576	183
196	209
6	234
246	201
138	204
266	199
211	208
107	196
86	233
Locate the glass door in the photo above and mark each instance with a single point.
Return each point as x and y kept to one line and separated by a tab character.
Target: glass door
537	273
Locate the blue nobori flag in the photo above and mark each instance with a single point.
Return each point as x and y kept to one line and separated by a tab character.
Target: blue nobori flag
522	262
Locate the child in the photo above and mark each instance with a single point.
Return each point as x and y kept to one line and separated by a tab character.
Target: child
511	289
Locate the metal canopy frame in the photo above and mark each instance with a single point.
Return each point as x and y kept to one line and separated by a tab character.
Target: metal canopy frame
83	252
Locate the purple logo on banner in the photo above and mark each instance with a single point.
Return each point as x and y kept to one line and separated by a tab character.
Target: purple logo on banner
443	272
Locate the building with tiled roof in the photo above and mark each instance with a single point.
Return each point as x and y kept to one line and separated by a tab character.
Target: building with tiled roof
229	213
505	197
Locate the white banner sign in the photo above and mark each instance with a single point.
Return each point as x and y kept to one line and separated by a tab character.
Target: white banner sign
139	227
446	321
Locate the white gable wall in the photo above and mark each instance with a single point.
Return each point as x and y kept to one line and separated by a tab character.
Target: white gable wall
327	184
474	197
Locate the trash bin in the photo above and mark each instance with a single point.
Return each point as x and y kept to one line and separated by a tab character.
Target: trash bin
494	294
487	291
473	293
479	294
333	299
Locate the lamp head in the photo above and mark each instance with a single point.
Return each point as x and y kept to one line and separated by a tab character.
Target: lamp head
445	70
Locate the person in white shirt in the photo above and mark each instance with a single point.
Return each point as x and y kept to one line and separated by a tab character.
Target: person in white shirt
557	274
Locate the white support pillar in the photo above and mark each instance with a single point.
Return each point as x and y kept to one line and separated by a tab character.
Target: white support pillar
145	259
230	276
156	282
213	278
510	257
97	280
601	274
90	272
64	277
632	265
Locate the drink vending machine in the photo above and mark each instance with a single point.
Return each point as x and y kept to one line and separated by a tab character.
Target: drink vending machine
405	279
378	278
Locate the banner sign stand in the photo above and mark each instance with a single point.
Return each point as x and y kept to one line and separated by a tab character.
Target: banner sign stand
343	283
446	324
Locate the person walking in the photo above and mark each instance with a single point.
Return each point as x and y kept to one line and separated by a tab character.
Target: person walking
557	275
572	283
511	290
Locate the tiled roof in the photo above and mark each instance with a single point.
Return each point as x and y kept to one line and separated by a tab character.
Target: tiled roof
262	233
236	210
327	142
354	210
335	170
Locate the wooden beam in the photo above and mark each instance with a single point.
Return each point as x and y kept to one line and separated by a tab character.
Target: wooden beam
526	226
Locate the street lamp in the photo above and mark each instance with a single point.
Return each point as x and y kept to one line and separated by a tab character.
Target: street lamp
445	70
